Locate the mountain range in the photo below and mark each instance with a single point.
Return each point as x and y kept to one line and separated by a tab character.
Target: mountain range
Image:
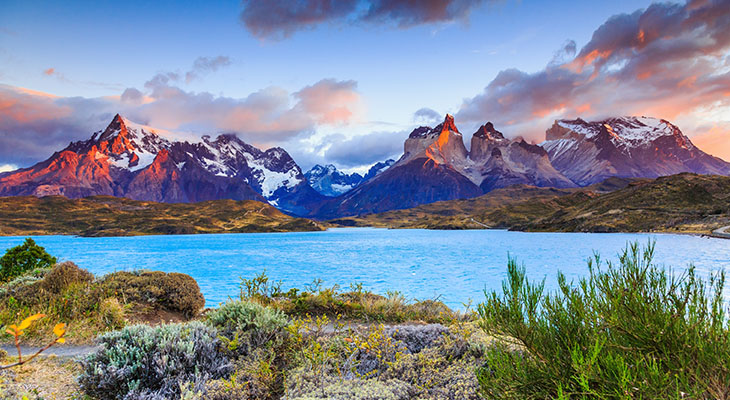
143	163
329	181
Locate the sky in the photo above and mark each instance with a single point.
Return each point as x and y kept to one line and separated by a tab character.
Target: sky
345	81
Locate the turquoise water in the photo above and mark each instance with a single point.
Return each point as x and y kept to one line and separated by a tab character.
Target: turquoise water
454	266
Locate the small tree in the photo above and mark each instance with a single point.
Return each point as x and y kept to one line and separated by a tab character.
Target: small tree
17	330
23	258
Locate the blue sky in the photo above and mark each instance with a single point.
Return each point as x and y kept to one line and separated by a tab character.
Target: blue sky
98	49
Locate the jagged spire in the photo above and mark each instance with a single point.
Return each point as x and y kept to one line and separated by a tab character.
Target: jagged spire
449	123
116	126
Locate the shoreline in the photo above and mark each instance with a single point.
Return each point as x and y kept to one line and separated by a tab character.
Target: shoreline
719	233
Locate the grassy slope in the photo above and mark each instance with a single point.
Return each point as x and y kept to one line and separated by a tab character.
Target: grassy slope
684	203
453	214
679	203
113	216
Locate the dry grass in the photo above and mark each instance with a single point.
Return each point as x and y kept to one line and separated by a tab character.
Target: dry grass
113	216
46	377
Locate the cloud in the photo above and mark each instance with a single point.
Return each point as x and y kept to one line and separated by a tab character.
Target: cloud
7	167
280	19
667	61
49	71
34	124
330	101
205	65
364	149
427	116
201	67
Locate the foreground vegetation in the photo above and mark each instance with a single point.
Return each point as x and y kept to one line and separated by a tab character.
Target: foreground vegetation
114	216
685	202
628	330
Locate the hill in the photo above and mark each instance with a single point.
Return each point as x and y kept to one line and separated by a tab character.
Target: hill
114	216
679	203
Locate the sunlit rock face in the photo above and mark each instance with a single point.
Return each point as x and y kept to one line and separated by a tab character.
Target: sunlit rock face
436	166
143	163
589	152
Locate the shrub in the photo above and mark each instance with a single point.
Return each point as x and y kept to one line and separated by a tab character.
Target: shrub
65	289
356	303
243	316
629	330
62	276
256	377
166	291
23	258
358	389
255	336
142	362
111	313
417	337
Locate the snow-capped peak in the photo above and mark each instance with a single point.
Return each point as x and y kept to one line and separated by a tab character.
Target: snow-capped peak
632	131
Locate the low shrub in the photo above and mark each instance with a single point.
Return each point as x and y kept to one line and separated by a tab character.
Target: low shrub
416	337
355	303
111	313
373	364
63	275
256	377
23	258
358	389
241	316
143	362
255	337
627	330
163	291
246	325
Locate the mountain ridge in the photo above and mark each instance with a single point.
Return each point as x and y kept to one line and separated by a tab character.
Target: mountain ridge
127	159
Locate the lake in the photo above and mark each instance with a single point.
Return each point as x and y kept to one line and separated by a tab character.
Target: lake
454	266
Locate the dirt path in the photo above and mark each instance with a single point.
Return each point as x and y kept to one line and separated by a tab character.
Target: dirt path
67	351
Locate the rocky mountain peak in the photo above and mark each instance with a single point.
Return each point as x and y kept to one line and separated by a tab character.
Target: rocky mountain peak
487	131
629	146
448	124
117	127
420	132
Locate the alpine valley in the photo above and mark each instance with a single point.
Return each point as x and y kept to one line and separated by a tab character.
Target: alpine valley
143	163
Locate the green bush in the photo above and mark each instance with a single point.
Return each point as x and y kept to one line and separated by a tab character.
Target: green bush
247	325
53	286
150	363
23	258
164	291
628	330
355	303
241	316
397	362
111	313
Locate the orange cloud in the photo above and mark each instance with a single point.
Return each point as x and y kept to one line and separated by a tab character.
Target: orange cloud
687	82
583	108
50	71
330	101
24	106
